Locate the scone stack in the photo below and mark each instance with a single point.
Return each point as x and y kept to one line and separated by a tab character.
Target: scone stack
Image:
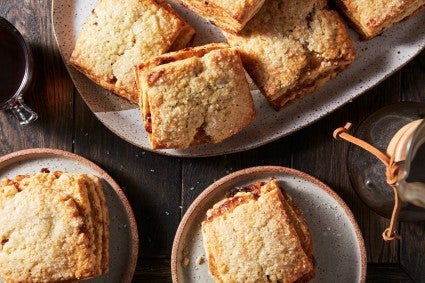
258	235
53	227
194	96
290	48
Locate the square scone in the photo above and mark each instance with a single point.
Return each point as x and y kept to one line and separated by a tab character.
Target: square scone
120	34
231	16
194	96
291	48
372	17
257	234
53	227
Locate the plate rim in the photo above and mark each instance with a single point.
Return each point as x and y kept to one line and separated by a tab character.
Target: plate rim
21	154
266	169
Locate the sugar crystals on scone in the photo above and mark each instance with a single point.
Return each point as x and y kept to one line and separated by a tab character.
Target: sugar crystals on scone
372	17
120	34
290	48
258	234
194	96
53	227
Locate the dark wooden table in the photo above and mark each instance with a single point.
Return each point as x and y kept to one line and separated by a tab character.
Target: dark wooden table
157	186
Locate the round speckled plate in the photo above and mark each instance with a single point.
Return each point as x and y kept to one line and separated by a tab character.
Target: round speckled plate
377	59
124	241
338	244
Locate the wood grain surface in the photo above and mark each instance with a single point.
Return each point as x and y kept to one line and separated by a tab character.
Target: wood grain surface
161	188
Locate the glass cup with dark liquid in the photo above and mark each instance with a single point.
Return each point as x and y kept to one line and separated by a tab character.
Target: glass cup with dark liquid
16	72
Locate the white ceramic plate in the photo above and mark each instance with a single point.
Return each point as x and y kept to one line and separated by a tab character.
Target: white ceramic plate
338	244
377	59
124	243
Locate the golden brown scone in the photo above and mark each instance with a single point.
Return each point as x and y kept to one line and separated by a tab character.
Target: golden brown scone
33	246
252	237
102	218
372	17
227	15
301	227
290	48
197	95
43	238
120	34
76	187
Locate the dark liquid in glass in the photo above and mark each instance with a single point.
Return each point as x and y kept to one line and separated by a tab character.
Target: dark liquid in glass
12	63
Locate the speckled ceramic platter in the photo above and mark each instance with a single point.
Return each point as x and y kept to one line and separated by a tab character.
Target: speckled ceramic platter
338	244
377	59
124	243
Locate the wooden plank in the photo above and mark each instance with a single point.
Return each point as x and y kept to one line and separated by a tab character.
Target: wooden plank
387	273
413	249
153	270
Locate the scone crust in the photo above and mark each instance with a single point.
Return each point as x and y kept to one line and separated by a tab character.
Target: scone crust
102	220
96	216
372	17
253	225
53	252
40	221
291	48
194	96
231	16
120	34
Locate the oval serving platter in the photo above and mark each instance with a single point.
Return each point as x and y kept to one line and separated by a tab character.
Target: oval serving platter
124	239
339	249
376	60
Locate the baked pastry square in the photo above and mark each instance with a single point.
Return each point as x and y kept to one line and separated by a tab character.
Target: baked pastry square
50	230
290	48
120	34
259	225
194	96
227	15
101	218
87	191
372	17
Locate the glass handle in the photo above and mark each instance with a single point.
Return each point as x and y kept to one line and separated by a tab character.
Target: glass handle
23	113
